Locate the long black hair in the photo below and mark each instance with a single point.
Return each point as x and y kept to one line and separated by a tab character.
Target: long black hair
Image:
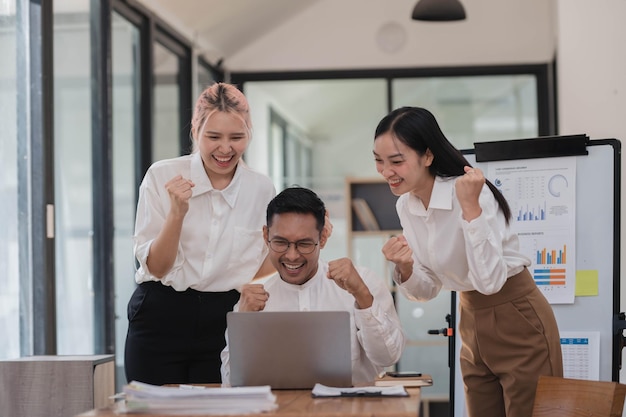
418	129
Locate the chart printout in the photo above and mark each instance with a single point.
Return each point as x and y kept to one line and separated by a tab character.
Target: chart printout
542	196
581	355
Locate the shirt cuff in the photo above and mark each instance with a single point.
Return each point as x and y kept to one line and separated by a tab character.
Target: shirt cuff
365	316
476	230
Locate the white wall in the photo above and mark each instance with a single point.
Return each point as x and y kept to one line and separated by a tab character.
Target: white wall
592	67
591	74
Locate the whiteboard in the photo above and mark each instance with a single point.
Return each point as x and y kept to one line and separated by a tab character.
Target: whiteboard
597	248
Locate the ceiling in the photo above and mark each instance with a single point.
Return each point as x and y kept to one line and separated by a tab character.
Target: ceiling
221	28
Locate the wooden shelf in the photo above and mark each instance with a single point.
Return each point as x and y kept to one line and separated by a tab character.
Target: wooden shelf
56	385
369	229
377	203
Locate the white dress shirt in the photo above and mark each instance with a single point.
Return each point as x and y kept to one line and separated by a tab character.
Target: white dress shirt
221	244
453	253
377	336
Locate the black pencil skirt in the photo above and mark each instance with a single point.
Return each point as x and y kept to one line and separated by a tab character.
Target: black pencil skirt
176	337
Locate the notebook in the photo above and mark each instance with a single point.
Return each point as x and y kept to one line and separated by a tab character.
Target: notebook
290	349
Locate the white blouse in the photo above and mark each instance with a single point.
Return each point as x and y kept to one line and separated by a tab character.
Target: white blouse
450	252
221	244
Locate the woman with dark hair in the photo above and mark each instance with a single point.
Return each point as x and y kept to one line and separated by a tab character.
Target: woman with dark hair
456	236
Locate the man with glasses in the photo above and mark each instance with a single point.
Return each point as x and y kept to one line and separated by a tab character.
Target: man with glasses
295	236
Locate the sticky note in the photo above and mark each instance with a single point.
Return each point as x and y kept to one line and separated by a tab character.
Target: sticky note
586	282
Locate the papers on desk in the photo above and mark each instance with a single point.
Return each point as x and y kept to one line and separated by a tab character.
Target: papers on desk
320	390
187	399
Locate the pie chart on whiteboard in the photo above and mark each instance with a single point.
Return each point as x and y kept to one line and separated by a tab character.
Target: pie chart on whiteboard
557	184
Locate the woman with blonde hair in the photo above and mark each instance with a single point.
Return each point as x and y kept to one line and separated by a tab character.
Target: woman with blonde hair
198	239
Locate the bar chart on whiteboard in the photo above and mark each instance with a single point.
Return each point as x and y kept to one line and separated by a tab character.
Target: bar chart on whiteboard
542	197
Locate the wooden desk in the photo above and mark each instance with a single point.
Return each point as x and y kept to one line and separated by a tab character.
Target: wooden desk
299	403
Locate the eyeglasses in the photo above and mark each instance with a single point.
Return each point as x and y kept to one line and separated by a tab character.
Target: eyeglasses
303	246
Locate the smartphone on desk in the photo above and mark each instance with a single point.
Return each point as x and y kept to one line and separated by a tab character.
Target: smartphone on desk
404	374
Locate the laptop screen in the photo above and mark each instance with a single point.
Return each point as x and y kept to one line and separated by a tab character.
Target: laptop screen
290	349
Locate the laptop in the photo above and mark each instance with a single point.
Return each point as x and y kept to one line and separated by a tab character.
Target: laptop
290	349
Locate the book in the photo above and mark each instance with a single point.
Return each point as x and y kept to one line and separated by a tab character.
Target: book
364	214
413	381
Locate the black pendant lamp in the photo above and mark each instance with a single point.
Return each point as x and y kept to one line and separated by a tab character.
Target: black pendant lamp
438	10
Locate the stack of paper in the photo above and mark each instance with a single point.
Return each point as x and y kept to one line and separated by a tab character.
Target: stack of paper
187	399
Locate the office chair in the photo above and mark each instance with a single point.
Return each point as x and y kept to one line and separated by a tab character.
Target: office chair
566	397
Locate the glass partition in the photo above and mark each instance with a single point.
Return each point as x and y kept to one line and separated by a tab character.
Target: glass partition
166	130
326	124
475	108
9	254
205	78
125	108
73	178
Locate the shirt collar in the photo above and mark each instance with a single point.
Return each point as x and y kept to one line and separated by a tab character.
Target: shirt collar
440	197
203	183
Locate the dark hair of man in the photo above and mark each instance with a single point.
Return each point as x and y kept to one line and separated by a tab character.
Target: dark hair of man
297	200
418	129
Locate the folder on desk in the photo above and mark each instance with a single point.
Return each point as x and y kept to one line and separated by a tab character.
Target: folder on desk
320	390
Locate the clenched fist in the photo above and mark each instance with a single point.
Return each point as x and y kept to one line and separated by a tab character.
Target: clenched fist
179	190
468	188
253	297
345	275
397	250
